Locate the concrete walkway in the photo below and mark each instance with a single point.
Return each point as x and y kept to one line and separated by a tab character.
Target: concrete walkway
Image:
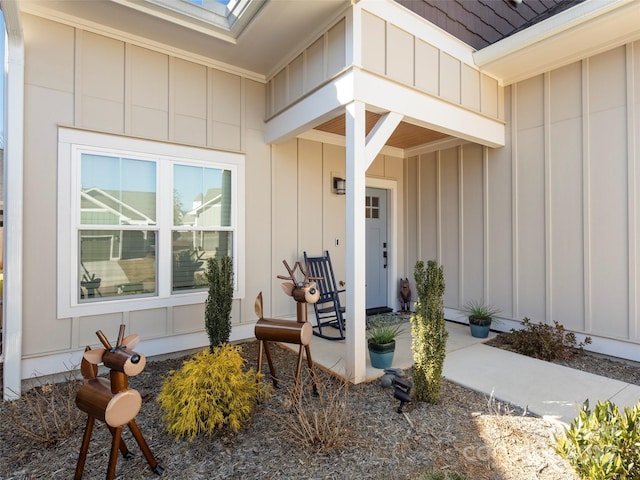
545	389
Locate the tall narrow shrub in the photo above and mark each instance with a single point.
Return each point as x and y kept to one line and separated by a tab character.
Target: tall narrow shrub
218	306
428	331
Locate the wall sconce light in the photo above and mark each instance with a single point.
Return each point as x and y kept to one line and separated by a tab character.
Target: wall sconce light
339	186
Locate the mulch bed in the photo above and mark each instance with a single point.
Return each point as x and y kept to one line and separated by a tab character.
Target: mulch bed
616	368
466	433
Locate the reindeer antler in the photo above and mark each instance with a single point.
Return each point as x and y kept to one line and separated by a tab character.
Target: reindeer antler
292	272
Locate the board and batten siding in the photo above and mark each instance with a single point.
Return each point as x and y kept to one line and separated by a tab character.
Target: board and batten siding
78	78
308	216
547	226
74	77
404	49
314	66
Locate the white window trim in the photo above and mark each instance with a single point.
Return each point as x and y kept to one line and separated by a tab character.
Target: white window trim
70	140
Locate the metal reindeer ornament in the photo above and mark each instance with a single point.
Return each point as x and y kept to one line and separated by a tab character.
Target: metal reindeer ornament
286	331
112	401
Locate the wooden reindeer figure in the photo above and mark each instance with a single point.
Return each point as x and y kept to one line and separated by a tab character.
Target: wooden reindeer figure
286	331
112	401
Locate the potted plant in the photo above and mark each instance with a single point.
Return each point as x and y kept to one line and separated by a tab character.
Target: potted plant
480	317
381	340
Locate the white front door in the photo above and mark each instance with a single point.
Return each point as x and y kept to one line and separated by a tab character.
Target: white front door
376	225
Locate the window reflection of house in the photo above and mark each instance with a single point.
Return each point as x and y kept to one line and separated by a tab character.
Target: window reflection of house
116	262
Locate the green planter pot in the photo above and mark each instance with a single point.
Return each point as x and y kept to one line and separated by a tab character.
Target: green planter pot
381	356
479	331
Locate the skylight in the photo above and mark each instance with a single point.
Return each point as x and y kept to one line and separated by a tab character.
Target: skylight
224	19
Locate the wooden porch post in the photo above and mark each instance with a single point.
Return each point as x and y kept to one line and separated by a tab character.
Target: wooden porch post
356	360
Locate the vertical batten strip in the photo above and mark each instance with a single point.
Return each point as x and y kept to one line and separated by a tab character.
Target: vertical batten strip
210	111
171	100
548	254
418	223
243	114
632	196
127	88
586	195
485	224
514	197
77	80
460	225
438	207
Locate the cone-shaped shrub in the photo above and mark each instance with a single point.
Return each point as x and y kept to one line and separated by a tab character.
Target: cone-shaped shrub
428	331
218	306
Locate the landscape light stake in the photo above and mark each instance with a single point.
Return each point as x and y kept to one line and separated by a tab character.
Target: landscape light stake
402	392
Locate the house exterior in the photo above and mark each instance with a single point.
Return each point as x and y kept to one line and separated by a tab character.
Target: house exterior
514	165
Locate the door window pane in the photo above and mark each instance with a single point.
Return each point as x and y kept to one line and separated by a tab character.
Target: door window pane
372	207
116	263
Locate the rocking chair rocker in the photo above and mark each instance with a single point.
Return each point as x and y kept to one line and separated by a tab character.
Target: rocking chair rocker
329	312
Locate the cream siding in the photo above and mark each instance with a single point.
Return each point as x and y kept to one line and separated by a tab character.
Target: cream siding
336	49
396	50
427	67
320	61
559	239
545	227
374	48
139	92
101	69
400	55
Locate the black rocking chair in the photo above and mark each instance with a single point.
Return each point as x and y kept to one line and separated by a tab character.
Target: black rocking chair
329	312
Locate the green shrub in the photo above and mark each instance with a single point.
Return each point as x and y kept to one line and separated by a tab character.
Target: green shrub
210	391
428	332
382	332
219	301
546	342
603	443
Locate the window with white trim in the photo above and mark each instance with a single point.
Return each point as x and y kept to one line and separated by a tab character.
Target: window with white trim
138	221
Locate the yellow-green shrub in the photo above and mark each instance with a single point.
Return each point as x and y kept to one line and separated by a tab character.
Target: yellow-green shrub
210	391
603	444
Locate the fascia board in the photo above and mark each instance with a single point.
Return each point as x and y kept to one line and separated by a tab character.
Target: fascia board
584	30
317	107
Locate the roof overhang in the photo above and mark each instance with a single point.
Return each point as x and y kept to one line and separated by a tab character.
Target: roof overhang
579	32
253	44
225	22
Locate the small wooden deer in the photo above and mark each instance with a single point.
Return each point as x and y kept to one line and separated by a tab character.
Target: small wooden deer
287	331
112	401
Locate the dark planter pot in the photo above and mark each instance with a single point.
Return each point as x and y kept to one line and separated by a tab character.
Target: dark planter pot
381	355
479	327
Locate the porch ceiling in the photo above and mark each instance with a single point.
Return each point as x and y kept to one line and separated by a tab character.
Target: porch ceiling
405	136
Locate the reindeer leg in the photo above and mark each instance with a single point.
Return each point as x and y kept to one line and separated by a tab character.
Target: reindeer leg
272	369
123	447
86	438
137	434
298	369
113	456
312	372
260	349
